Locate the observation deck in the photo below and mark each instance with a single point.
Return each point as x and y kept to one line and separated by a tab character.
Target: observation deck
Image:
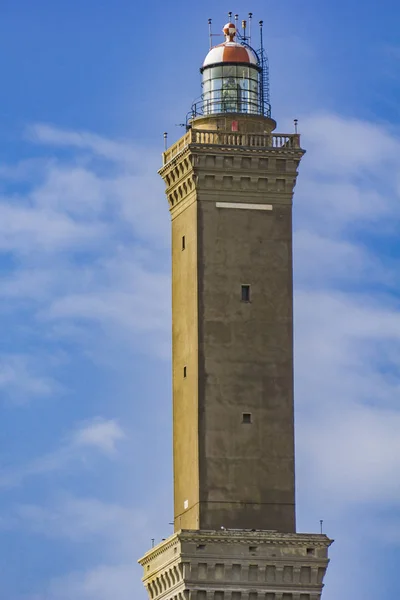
287	141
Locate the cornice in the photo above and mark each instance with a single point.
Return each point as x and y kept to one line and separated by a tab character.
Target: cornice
159	549
244	536
221	149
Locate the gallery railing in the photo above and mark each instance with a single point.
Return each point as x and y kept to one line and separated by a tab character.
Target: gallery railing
219	138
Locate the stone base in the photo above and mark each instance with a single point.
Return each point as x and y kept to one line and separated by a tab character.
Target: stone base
237	565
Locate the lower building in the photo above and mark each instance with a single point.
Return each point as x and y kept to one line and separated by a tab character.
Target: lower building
236	565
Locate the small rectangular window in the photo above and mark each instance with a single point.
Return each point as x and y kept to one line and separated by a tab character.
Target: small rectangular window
246	418
245	293
183	242
184	371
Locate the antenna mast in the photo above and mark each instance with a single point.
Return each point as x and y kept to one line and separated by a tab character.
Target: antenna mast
250	20
210	32
244	25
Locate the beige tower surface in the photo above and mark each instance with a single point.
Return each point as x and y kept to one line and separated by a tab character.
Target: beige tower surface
230	196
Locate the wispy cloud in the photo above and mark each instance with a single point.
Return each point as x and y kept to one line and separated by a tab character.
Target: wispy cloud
115	532
89	239
85	520
22	378
23	229
98	435
348	147
118	151
347	324
104	582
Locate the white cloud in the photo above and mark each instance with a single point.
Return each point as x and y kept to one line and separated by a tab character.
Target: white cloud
22	379
86	520
347	146
116	532
104	582
335	206
120	152
99	435
347	324
26	284
353	453
72	189
73	208
348	351
323	261
139	302
27	170
25	229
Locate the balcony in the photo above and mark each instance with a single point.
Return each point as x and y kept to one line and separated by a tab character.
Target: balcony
223	138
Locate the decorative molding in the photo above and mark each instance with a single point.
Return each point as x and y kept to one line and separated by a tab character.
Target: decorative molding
205	167
172	569
243	205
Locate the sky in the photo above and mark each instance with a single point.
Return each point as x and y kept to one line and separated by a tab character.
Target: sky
88	88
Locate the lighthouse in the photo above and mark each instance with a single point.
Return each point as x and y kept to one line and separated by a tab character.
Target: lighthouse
229	184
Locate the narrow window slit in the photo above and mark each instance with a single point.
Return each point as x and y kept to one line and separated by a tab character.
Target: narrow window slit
245	293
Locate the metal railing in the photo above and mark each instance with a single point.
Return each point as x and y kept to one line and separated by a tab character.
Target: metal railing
224	138
246	105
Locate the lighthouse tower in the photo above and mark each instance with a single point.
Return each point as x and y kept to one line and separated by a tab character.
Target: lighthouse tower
229	183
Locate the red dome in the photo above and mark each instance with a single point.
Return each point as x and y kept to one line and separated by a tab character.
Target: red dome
230	51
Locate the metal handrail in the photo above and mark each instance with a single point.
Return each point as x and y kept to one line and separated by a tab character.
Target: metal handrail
205	107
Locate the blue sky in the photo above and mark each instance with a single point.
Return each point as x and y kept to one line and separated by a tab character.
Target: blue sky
85	466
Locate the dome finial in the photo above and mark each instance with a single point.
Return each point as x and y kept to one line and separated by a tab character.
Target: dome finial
230	32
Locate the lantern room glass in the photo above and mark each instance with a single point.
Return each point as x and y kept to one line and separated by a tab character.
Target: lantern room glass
231	88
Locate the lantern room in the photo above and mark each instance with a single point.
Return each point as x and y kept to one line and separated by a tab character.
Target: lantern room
231	77
235	77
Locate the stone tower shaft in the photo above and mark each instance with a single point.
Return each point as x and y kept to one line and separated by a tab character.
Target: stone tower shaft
230	183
